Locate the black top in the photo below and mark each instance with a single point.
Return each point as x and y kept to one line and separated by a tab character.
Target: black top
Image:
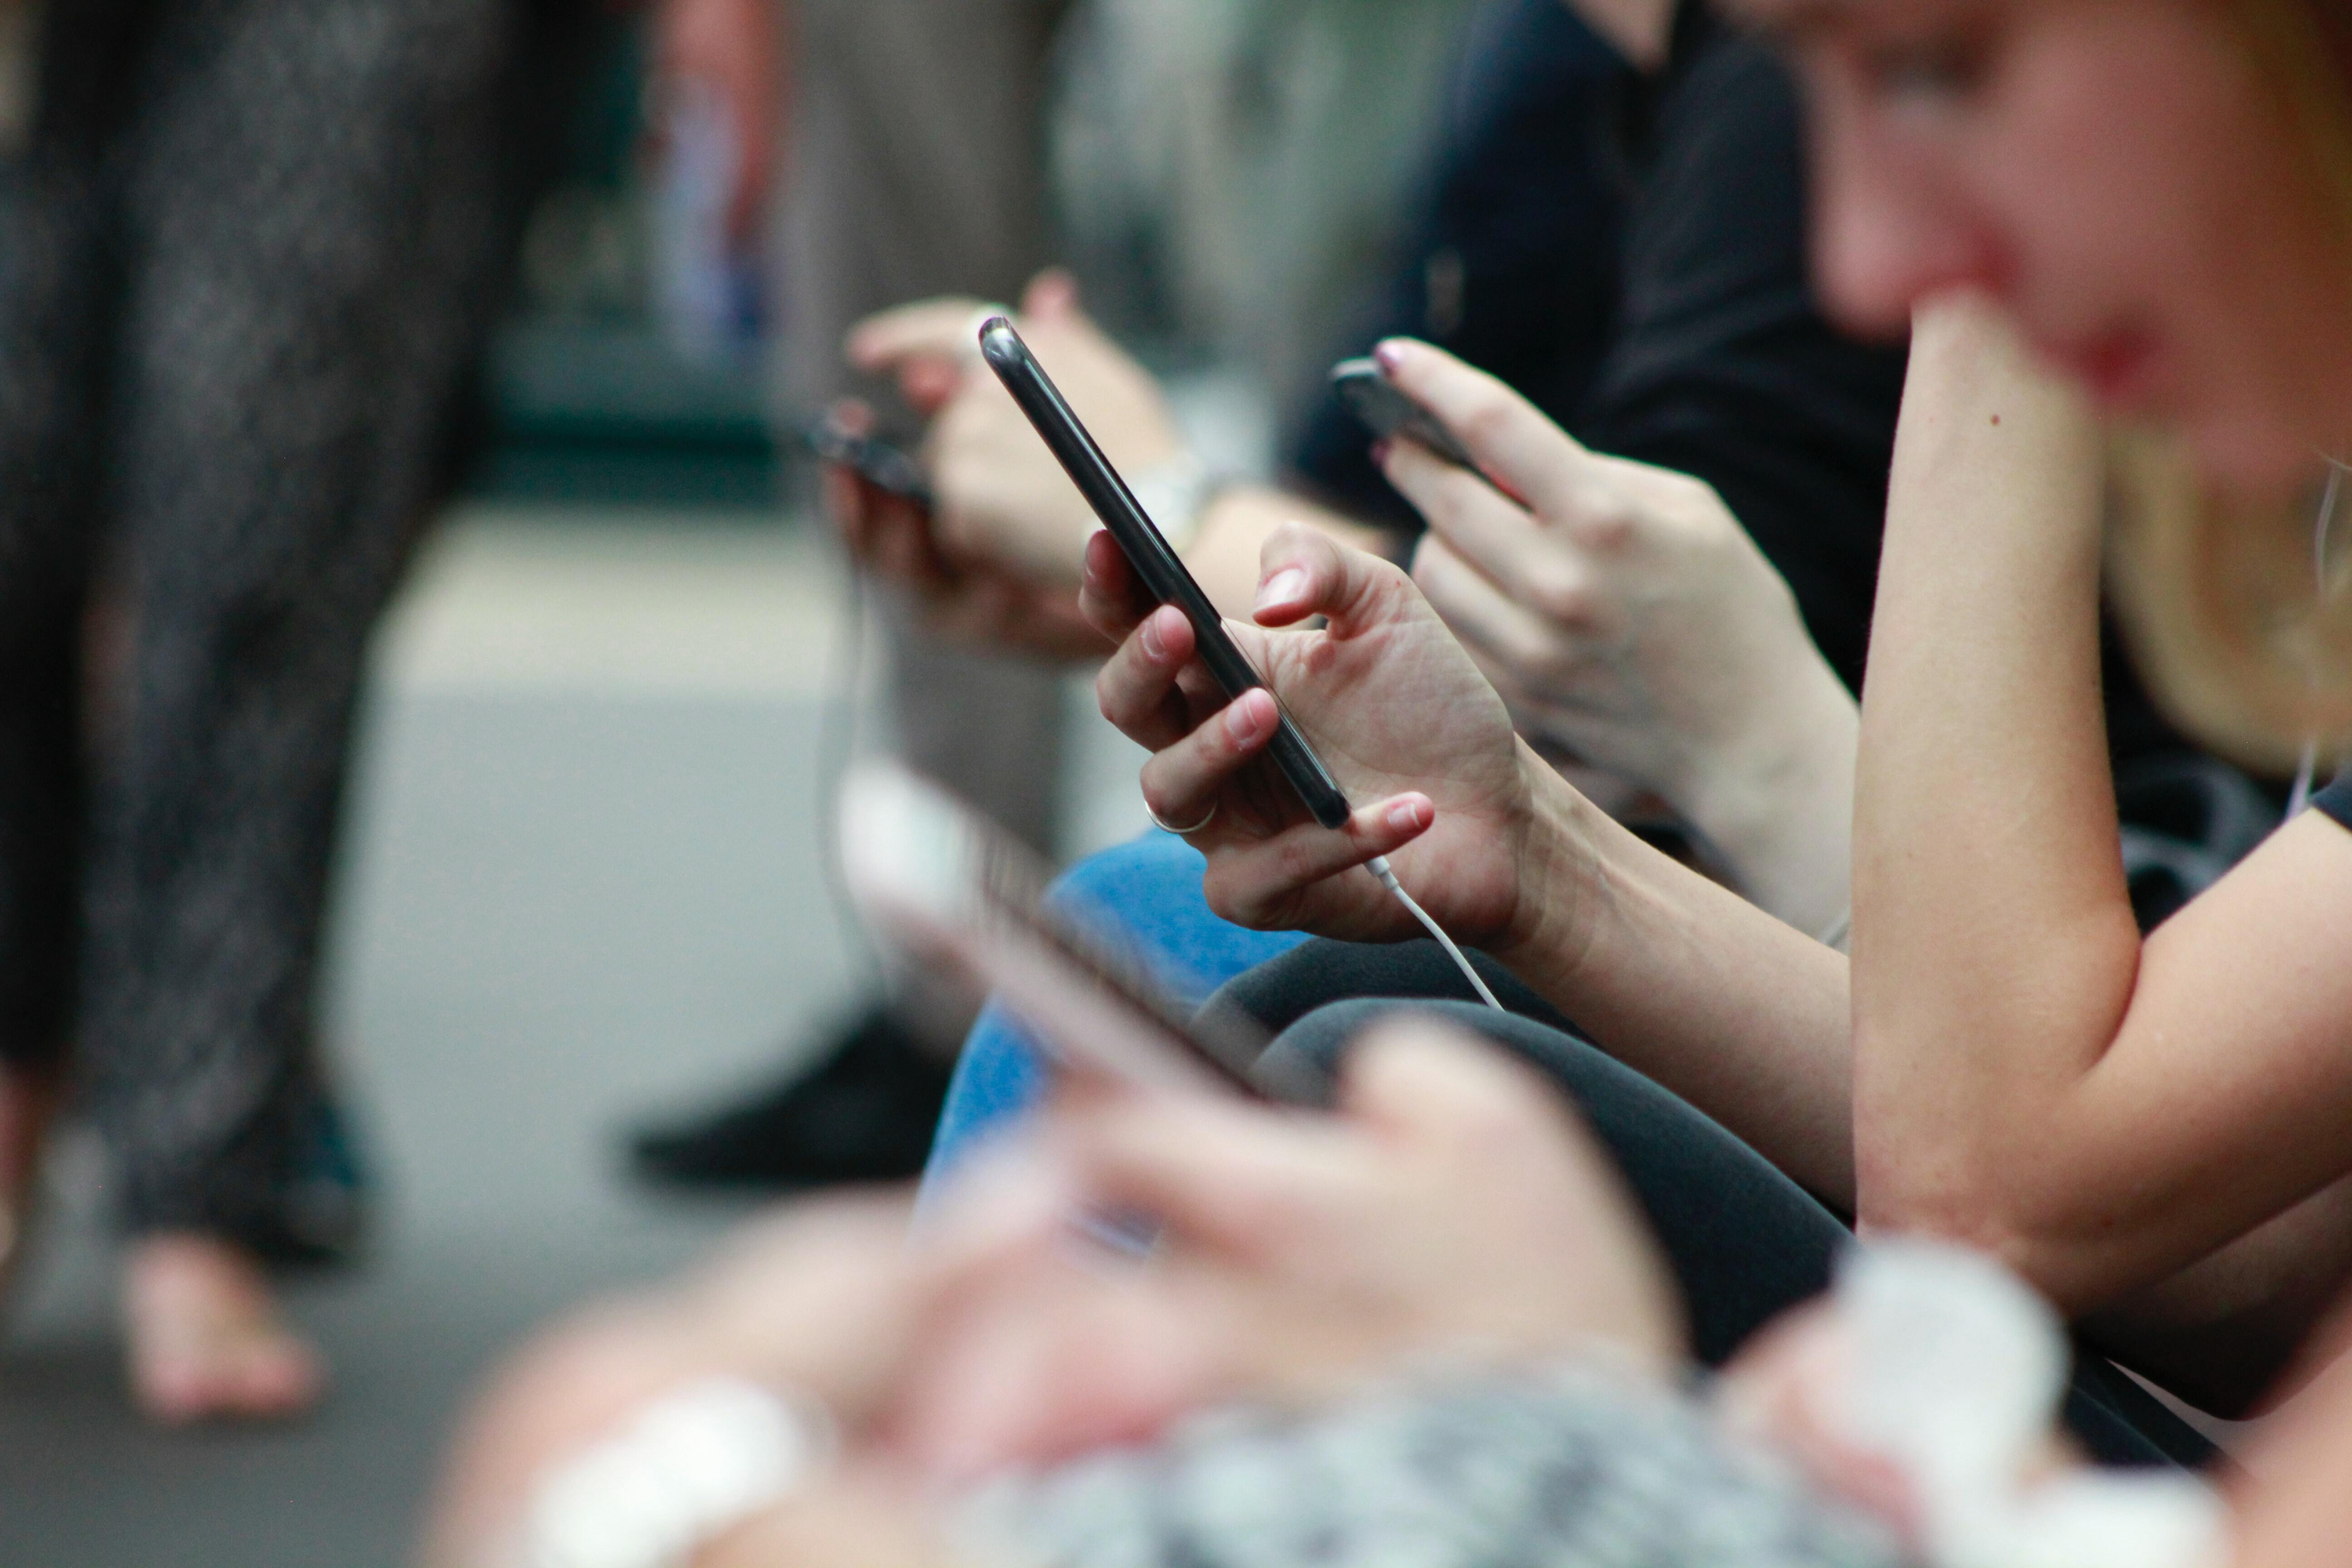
2336	800
1631	254
1723	366
1511	260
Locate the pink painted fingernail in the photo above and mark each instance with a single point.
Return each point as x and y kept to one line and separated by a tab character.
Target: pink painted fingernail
1286	586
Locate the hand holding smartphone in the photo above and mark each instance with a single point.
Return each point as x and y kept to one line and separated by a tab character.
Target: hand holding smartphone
1163	574
1156	564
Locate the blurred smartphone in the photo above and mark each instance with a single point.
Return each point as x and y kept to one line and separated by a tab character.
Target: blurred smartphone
1162	571
873	459
951	889
1373	398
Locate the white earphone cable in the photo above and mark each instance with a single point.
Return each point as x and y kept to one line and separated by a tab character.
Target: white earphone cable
1379	867
2306	777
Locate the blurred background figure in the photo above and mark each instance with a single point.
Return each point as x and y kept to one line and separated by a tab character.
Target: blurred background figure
1229	176
252	250
913	162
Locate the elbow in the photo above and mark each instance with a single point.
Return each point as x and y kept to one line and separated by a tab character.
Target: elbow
2228	1367
1949	1208
1971	1201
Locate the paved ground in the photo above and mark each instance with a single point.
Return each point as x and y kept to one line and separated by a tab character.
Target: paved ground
583	881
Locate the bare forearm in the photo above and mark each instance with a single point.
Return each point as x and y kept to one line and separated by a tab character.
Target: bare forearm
1994	946
1692	985
2218	1101
2029	1074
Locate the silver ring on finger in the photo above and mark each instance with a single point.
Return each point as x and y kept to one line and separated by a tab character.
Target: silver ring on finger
1209	817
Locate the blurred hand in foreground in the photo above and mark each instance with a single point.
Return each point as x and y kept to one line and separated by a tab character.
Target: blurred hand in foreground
823	1298
1450	1213
1454	1213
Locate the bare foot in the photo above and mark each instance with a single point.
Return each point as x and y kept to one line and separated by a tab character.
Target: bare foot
207	1342
28	1098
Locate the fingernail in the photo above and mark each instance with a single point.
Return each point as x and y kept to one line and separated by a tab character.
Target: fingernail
1245	720
1406	815
1286	586
1388	355
1380	453
1153	643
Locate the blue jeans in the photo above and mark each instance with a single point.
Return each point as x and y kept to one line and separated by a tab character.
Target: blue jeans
1148	891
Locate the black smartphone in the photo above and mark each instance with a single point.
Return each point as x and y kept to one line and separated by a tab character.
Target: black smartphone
1373	398
880	464
1148	552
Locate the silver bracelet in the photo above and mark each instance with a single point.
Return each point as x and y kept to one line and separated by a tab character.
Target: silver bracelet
686	1469
1175	495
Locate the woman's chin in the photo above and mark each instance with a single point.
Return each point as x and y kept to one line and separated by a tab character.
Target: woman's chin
2260	461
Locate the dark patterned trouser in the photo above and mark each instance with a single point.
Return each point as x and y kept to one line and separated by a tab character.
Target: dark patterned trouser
247	258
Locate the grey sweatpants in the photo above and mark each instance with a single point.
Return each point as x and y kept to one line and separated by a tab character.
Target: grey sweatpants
916	167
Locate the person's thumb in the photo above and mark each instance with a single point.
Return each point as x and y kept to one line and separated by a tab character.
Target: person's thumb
1304	573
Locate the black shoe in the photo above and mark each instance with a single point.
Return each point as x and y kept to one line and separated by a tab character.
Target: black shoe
866	1114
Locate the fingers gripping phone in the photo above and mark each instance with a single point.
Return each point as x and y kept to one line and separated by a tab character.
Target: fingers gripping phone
1376	400
1160	569
949	888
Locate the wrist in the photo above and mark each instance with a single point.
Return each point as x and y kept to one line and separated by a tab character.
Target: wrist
1750	786
1777	803
1553	908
